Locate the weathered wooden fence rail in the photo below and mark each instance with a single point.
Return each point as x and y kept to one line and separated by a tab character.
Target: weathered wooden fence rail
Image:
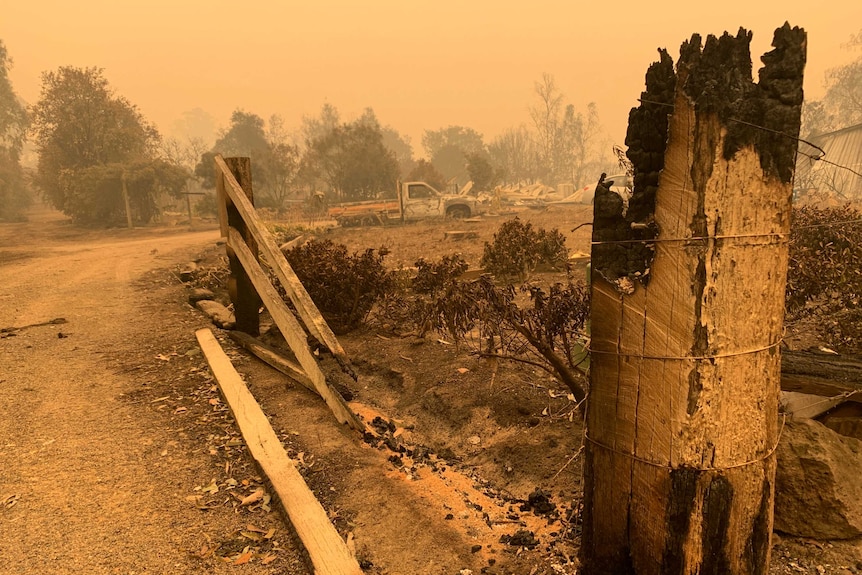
249	286
327	551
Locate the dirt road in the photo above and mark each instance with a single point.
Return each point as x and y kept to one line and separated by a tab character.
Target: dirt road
93	480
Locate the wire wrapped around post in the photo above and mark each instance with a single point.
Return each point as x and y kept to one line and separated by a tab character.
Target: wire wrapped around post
688	282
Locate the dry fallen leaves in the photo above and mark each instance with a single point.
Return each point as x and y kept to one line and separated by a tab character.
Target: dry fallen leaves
212	488
269	558
205	551
254	497
244	557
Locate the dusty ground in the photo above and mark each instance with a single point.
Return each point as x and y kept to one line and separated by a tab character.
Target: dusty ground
101	463
116	455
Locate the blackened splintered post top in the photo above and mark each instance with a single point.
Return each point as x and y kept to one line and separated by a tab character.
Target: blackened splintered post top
717	78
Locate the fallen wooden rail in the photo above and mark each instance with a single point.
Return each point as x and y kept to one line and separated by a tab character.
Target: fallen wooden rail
272	357
328	552
246	235
820	374
13	329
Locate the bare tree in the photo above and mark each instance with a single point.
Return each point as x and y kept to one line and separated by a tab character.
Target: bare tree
282	159
515	155
569	143
547	116
185	153
590	152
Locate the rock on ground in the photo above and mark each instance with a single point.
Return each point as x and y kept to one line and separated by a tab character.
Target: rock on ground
817	489
219	314
198	294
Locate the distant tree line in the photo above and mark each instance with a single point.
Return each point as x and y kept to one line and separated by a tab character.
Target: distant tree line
93	145
363	159
14	192
348	160
841	105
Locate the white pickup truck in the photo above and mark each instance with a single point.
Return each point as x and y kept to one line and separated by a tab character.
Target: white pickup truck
414	201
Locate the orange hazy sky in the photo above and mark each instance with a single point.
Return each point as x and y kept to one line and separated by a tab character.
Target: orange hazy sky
420	64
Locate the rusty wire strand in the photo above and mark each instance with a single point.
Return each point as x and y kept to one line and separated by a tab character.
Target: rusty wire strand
634	457
820	158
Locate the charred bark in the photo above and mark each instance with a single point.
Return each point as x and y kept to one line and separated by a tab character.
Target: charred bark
687	316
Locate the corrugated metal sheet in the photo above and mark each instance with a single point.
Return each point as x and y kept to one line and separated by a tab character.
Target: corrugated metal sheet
820	180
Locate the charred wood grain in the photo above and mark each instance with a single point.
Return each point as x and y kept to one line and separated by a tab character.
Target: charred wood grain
646	139
717	76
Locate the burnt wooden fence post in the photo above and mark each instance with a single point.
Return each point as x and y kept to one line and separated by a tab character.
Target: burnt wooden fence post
246	301
687	317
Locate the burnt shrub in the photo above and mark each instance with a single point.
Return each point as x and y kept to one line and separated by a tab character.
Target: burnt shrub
518	249
429	297
550	331
542	326
344	286
432	278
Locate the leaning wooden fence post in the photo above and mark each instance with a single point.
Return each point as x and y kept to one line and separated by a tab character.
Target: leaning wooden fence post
246	301
687	316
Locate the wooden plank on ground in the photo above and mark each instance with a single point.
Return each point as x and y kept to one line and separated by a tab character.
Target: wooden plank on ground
328	552
292	332
459	235
290	282
272	357
821	374
290	244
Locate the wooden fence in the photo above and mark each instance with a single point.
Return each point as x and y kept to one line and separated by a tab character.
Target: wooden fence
250	286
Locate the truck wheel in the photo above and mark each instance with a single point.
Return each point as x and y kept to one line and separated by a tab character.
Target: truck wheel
458	212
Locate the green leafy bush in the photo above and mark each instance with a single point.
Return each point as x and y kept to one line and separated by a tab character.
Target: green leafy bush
442	302
824	279
15	195
825	258
94	195
518	249
207	205
344	286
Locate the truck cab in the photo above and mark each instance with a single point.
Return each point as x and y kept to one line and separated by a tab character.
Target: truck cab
420	200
